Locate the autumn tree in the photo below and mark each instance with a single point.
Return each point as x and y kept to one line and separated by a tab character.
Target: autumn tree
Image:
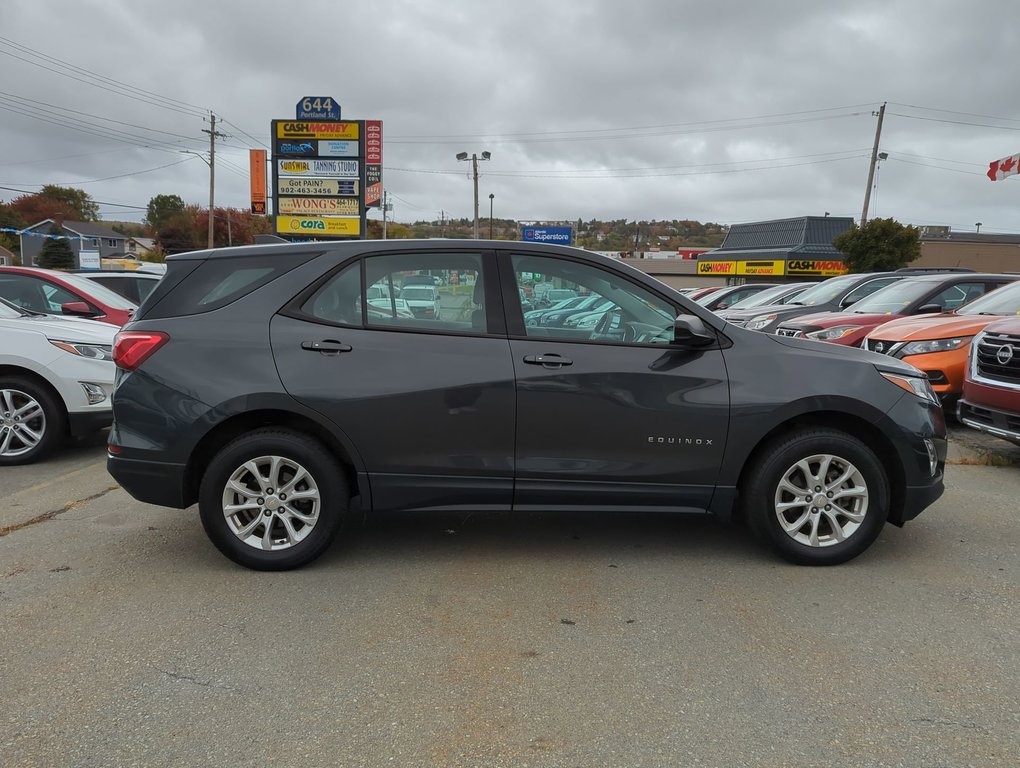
56	253
57	203
179	234
881	245
10	219
161	209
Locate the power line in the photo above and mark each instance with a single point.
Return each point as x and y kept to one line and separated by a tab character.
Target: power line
63	110
244	133
481	136
956	122
118	176
955	112
606	136
139	94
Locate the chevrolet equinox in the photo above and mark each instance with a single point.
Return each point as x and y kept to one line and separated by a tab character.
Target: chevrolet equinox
260	383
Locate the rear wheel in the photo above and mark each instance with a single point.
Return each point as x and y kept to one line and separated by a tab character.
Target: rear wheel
273	499
818	497
32	421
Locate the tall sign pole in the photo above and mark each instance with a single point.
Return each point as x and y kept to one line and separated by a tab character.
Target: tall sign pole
874	162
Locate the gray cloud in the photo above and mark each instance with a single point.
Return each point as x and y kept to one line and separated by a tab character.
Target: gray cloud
560	93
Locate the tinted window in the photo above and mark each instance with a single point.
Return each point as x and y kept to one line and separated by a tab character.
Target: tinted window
101	293
760	299
34	293
867	289
338	301
894	298
1004	301
216	282
827	291
956	296
619	311
441	292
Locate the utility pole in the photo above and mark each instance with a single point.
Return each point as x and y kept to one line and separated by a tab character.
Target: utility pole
474	167
442	223
212	170
874	162
385	207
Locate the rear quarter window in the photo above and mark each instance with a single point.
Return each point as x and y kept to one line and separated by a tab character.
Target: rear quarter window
215	282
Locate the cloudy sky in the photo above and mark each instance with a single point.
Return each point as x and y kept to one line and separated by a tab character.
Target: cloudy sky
716	110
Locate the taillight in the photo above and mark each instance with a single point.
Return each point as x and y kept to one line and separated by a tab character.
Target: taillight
132	348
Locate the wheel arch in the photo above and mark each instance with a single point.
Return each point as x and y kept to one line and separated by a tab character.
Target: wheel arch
235	426
853	425
35	377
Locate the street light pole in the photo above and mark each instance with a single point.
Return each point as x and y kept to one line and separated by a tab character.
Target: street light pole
474	173
491	196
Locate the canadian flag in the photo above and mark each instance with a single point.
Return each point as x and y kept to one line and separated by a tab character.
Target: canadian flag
1007	166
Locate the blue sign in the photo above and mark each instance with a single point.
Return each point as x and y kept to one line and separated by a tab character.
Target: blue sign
318	108
557	235
293	147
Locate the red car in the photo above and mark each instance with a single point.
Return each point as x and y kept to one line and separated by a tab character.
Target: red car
991	384
930	294
60	293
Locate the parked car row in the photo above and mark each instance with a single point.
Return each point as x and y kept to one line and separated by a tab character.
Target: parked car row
944	322
57	332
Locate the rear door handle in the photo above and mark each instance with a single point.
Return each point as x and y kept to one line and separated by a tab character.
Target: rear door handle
548	361
326	346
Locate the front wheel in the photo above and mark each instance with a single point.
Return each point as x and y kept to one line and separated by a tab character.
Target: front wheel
819	497
273	499
32	421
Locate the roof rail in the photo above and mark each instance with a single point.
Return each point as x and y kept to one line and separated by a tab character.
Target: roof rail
269	239
934	269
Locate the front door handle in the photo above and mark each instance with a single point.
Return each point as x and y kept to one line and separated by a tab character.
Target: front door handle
548	361
327	346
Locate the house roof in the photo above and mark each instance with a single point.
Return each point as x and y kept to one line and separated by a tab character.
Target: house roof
84	228
805	236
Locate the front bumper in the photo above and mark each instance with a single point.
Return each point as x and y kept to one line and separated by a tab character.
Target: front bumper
86	422
1002	424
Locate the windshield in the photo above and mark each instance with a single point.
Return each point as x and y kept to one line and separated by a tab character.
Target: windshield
418	294
100	292
893	298
760	299
9	311
1003	301
826	292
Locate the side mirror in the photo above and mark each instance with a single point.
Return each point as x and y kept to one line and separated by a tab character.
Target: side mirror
691	331
77	309
929	309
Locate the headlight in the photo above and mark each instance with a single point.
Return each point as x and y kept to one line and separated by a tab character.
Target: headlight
934	345
916	385
831	334
93	351
757	323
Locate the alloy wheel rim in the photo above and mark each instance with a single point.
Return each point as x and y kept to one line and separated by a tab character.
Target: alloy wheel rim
271	503
22	423
821	500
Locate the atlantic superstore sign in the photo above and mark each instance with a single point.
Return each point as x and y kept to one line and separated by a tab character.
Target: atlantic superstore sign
326	175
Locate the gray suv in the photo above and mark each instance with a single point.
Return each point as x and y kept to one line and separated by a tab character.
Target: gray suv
260	383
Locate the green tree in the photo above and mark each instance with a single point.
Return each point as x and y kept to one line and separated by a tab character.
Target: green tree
77	200
880	245
56	253
161	209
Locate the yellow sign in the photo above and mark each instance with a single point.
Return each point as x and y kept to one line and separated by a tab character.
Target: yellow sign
303	129
717	267
816	267
336	206
319	226
758	267
326	187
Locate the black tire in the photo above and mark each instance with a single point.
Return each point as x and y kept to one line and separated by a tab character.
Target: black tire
326	477
761	494
52	422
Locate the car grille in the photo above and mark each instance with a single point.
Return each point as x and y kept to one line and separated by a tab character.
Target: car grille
998	357
883	347
787	332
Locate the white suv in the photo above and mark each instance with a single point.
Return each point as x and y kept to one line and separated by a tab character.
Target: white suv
56	379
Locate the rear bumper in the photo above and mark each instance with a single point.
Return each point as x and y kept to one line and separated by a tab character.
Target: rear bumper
153	482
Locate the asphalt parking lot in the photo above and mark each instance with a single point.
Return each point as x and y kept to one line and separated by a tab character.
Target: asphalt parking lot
491	640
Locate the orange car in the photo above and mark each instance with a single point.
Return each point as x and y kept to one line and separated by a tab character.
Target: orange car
938	344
